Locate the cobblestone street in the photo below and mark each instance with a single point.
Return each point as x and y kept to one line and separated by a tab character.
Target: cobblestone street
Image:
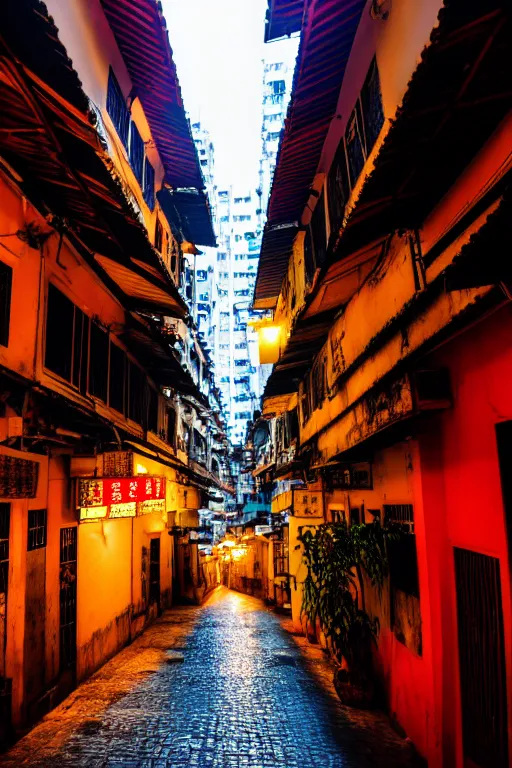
248	695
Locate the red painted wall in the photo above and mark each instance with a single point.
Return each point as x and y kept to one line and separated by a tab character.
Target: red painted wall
459	490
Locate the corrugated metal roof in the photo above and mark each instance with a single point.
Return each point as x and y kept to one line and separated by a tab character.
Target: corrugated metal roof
327	36
284	18
58	154
276	249
140	31
188	211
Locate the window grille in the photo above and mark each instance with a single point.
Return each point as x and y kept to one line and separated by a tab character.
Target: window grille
36	529
117	109
136	152
149	184
371	102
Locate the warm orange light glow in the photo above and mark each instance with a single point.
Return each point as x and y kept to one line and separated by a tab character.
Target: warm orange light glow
268	343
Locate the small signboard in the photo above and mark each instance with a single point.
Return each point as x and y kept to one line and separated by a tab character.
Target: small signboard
308	504
107	497
97	492
18	478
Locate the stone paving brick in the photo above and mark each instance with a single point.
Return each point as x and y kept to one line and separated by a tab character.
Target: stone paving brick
248	695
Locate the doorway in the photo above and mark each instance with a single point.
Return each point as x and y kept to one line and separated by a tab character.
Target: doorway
481	660
68	574
154	571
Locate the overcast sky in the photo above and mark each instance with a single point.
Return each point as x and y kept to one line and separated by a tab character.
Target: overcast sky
218	48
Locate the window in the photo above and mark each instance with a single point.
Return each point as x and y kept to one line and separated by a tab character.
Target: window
403	562
361	134
159	236
338	188
136	153
36	529
354	141
224	219
67	335
98	366
136	399
116	388
5	302
153	404
318	230
117	109
171	426
201	275
149	184
371	102
278	86
221	256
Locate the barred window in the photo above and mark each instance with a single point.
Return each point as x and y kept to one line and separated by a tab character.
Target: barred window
136	153
117	109
36	529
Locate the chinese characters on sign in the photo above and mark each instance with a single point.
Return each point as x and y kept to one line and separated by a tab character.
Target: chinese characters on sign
110	490
18	478
119	497
118	464
307	504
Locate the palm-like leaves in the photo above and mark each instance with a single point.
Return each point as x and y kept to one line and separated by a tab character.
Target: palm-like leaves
336	555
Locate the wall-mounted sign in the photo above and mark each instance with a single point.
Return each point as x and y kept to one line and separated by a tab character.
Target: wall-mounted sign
108	490
92	513
18	478
308	504
118	464
128	509
155	506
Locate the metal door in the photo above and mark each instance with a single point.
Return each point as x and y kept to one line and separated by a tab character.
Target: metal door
481	660
68	572
5	524
154	571
5	684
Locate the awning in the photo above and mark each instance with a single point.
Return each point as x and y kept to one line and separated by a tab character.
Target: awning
326	41
276	249
154	353
434	136
188	212
437	131
48	139
146	292
284	18
264	468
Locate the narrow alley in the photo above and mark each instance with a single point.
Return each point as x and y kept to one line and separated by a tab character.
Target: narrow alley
246	695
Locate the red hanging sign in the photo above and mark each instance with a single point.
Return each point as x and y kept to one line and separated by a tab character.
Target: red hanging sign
98	492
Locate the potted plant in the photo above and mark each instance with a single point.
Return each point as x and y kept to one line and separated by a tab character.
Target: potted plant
338	557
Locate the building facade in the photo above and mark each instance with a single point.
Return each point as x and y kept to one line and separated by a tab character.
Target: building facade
109	444
381	264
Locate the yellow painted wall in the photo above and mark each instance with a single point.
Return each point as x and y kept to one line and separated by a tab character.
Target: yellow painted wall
103	591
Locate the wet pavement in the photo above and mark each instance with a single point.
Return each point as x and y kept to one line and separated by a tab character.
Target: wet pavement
247	695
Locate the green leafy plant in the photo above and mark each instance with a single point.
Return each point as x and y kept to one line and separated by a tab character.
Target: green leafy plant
337	557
